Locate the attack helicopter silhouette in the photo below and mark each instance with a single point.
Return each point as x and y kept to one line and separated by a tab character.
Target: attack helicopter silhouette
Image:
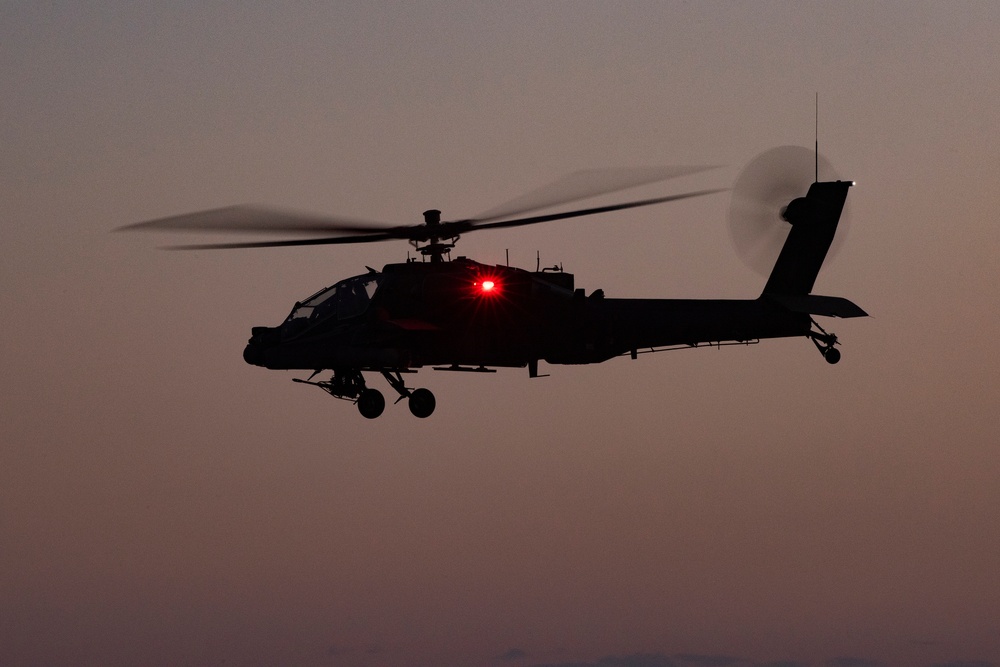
462	315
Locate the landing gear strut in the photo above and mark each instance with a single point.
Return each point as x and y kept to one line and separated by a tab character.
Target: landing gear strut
349	385
825	342
420	401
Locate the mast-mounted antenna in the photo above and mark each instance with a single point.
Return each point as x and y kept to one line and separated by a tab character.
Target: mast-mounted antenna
817	136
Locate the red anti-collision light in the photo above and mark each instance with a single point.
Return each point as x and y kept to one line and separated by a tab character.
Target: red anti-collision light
487	286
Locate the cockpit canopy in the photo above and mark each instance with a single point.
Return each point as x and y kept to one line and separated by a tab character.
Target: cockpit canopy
345	299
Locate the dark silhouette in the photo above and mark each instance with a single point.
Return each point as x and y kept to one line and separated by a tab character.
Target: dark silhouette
465	316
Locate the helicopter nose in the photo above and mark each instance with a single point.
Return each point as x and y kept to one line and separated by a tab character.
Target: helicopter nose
253	354
261	339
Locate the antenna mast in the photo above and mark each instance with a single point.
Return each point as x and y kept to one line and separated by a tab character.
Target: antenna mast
817	136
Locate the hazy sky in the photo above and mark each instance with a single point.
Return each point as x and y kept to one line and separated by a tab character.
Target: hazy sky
162	502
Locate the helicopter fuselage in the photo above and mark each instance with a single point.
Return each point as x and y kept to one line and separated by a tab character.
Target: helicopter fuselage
467	314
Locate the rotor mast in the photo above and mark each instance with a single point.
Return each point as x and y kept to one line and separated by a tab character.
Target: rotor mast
436	246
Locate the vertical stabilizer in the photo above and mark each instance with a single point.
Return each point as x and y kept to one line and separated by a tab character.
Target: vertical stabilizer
814	220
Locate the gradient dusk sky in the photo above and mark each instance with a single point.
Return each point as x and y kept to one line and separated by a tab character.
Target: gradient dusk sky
163	503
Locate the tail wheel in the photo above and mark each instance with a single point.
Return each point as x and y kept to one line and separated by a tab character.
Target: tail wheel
422	403
371	403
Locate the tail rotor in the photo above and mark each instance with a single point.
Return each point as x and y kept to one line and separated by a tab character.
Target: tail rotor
763	189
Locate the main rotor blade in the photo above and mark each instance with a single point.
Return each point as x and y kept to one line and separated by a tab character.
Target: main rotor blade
332	240
591	211
585	184
445	230
247	218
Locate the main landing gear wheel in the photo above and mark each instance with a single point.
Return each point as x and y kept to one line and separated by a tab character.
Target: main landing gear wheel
421	402
371	403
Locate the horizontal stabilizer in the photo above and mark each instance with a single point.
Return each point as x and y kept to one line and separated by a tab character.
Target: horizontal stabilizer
814	304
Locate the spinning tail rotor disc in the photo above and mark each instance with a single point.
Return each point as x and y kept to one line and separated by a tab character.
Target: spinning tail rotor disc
765	186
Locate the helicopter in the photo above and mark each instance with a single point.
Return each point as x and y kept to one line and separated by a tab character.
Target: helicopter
465	316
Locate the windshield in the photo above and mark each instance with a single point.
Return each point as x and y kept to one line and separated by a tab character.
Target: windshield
345	299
